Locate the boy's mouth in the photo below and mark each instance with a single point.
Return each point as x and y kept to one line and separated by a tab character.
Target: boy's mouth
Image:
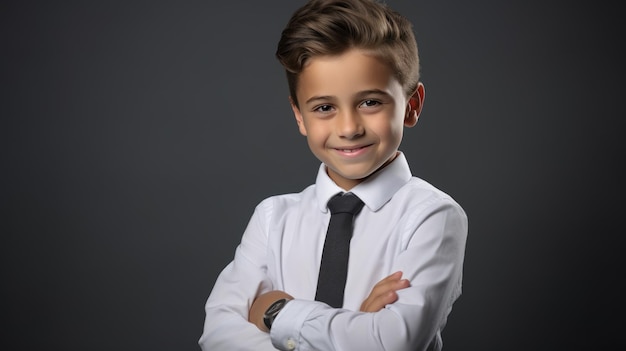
351	150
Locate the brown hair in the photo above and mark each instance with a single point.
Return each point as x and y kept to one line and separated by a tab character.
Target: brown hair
330	27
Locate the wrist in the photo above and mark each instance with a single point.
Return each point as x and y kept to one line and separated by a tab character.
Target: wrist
272	312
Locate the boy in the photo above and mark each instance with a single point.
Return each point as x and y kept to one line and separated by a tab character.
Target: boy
353	74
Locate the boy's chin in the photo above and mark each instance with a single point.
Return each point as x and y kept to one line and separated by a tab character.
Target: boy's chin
348	178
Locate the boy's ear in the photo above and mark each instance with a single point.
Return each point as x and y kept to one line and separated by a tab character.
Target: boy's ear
298	116
414	106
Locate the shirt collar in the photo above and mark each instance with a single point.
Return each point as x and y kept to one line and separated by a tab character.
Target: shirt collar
375	191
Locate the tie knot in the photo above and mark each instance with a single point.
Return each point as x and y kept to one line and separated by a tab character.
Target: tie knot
345	203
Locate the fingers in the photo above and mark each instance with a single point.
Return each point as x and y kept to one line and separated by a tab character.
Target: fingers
393	276
384	292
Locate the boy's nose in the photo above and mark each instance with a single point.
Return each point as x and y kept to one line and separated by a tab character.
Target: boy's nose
349	125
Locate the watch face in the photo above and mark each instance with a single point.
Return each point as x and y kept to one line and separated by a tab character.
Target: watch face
272	311
275	307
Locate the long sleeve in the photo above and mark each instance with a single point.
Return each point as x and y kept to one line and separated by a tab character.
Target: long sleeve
226	324
406	225
431	256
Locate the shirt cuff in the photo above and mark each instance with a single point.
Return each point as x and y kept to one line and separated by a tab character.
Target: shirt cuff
285	332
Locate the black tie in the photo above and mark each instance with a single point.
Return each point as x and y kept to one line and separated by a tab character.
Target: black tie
334	265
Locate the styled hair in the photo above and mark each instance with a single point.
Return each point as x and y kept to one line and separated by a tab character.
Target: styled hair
331	27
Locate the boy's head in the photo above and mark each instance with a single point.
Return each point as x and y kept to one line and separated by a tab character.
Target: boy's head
332	27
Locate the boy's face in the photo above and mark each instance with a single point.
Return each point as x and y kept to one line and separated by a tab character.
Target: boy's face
353	112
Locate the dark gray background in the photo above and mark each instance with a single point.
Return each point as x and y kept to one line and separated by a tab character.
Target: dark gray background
128	127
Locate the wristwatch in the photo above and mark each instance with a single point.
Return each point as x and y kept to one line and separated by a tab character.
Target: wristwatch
272	312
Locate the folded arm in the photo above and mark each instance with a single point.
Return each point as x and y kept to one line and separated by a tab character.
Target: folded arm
431	261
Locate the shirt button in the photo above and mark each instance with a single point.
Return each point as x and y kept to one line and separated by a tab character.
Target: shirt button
291	344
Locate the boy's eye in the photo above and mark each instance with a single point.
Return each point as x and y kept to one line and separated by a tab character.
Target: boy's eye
323	108
370	103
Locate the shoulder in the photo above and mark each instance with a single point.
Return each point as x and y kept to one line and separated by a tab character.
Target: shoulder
287	201
418	195
429	214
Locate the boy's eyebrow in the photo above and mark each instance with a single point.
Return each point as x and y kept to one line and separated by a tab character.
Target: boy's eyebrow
359	95
372	91
316	98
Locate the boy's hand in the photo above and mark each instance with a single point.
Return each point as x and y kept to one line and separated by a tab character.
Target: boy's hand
384	292
261	304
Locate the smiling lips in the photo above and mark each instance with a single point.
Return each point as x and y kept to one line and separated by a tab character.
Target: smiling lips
352	151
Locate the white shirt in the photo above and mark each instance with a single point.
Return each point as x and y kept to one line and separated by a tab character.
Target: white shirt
406	225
